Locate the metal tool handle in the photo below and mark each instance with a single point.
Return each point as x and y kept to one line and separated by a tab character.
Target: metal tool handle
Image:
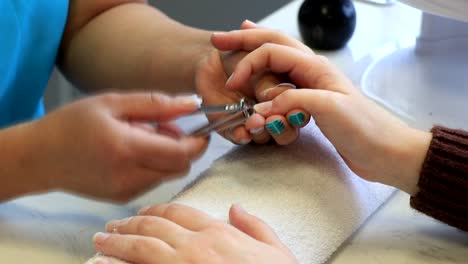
229	121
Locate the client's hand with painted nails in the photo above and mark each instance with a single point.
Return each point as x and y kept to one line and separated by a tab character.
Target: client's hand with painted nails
264	86
174	233
370	140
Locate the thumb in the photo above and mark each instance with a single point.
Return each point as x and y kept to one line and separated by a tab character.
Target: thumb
153	106
253	226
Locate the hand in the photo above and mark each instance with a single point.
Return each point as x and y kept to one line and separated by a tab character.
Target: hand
370	140
211	76
173	233
105	147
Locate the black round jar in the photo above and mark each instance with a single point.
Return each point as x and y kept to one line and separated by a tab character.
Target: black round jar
327	24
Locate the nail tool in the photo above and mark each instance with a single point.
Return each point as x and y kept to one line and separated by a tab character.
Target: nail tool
238	113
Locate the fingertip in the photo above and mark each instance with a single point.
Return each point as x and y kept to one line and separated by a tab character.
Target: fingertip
235	213
255	122
240	136
264	108
248	24
99	238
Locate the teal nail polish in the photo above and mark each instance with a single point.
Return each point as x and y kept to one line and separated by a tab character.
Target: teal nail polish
276	127
297	119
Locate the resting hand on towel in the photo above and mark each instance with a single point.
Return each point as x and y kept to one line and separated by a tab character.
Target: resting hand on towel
179	234
370	140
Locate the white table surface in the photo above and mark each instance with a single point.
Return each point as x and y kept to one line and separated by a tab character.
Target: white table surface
57	228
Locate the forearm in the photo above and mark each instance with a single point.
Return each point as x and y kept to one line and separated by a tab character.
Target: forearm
17	172
133	46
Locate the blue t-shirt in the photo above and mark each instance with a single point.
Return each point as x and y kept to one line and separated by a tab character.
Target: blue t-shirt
30	35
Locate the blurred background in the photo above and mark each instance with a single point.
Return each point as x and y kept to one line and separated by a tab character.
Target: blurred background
207	14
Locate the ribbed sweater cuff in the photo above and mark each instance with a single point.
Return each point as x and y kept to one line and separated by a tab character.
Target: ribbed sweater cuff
443	182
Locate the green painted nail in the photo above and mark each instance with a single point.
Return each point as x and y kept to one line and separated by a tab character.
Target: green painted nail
297	119
276	127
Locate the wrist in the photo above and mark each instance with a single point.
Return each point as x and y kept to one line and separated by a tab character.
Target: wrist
174	67
410	154
19	157
201	53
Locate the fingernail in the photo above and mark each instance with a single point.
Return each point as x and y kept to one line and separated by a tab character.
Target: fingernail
240	208
219	33
263	108
265	93
288	85
249	21
143	210
256	131
276	127
244	141
296	119
115	223
100	261
188	99
230	78
100	237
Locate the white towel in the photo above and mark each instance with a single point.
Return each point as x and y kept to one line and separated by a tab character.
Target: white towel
304	191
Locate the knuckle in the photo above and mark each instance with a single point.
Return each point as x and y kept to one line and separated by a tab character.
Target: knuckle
171	210
155	210
143	223
219	229
160	99
140	246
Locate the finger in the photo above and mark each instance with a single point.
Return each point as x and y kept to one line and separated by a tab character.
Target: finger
315	102
169	129
151	106
165	153
151	226
303	68
133	248
280	130
253	226
150	128
237	135
256	126
251	39
106	260
185	216
137	182
298	118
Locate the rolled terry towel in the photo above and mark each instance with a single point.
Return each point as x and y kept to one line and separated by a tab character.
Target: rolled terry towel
304	191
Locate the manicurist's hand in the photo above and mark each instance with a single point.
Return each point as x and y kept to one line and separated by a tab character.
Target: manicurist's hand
106	147
370	140
173	233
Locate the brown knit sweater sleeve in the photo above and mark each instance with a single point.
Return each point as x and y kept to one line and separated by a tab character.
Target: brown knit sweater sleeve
443	182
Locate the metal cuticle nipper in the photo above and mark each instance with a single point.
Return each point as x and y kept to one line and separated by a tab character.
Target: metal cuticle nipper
237	114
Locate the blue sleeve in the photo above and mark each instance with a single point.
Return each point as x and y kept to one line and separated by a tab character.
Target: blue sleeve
31	32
